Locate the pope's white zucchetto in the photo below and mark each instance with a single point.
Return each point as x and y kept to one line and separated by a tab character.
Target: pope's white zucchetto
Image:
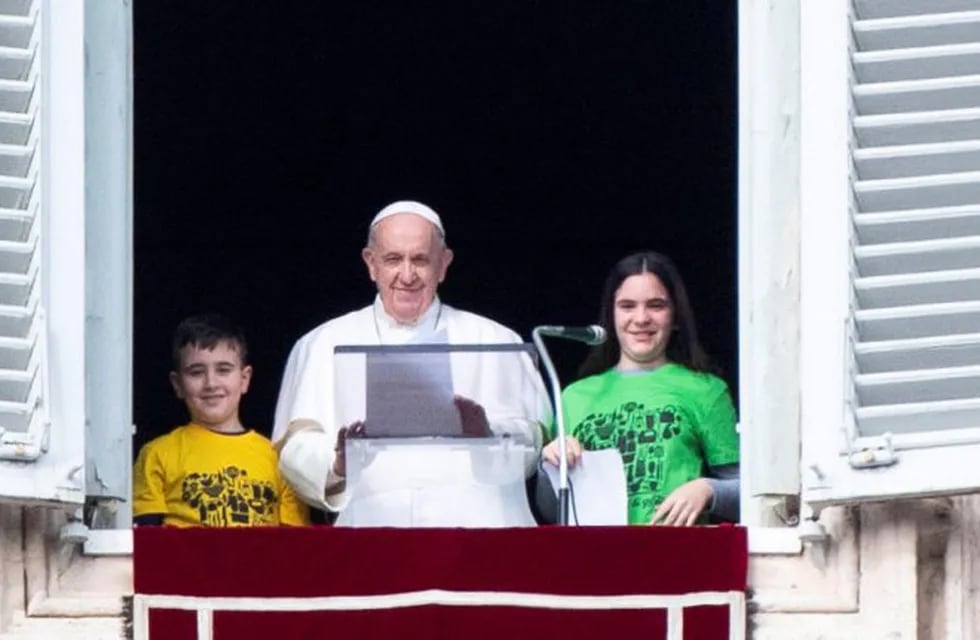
410	206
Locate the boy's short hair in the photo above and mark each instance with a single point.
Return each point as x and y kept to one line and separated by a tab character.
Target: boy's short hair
205	331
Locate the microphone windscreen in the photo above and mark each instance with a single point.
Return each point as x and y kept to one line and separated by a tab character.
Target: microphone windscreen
598	334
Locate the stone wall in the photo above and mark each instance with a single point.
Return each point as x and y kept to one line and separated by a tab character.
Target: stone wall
48	589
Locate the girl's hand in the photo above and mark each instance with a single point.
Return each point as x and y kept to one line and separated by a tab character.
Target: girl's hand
573	451
684	504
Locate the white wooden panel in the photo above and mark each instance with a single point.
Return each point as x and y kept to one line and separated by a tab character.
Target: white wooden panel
109	263
918	321
924	29
912	392
917	224
871	9
825	202
63	188
918	385
919	353
42	251
895	129
916	288
893	65
938	254
768	253
22	334
907	160
927	471
918	192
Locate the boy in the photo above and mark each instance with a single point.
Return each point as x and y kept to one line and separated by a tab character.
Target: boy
211	472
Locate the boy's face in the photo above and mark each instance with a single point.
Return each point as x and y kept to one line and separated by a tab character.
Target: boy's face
211	382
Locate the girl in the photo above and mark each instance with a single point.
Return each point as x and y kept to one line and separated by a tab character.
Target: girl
648	392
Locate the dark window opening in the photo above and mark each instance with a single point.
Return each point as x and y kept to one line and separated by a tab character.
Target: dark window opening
552	137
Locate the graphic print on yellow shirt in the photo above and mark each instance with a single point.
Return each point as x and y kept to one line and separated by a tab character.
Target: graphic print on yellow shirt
196	477
230	497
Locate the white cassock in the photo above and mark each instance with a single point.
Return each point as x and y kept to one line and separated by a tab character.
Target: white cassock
434	485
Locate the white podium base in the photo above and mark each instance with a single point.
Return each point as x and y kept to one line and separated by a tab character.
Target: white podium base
436	482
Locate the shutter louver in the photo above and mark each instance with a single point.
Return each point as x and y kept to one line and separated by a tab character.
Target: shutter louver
915	326
22	363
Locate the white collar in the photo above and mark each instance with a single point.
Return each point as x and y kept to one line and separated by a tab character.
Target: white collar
390	331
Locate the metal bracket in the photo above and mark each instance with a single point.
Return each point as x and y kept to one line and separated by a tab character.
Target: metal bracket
818	479
19	446
873	453
73	532
814	537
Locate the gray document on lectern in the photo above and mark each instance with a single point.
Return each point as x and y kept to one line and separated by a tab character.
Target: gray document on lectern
410	394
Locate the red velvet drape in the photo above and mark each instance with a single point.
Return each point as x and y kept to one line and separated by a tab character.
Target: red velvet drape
326	561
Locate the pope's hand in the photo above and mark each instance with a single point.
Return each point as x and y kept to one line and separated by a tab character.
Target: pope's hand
355	430
473	418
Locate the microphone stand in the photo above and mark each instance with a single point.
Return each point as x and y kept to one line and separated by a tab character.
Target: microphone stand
563	494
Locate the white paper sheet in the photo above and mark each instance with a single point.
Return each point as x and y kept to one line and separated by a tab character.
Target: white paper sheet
597	487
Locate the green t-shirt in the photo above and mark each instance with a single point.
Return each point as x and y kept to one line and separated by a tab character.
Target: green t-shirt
667	423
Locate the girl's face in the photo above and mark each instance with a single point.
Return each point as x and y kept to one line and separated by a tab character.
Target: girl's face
644	318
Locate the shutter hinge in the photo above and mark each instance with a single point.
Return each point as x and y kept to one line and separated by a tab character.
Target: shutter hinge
873	452
19	446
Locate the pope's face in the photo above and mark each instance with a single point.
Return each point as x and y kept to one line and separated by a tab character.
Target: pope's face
406	260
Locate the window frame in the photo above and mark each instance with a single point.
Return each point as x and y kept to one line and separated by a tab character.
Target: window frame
84	190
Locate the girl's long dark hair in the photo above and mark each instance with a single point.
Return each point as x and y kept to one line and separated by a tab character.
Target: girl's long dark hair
683	347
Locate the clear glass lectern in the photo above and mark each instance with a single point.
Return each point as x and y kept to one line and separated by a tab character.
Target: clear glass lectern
426	458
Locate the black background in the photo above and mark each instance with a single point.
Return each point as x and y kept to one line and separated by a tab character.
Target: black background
552	137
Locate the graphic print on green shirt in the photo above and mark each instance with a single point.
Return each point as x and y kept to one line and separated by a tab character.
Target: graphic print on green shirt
668	424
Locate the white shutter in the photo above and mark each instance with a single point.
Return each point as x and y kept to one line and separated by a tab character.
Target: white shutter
912	333
23	421
41	252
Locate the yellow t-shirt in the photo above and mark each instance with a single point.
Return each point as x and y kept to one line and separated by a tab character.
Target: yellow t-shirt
197	477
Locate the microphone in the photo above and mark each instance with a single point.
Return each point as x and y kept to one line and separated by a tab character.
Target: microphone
591	335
